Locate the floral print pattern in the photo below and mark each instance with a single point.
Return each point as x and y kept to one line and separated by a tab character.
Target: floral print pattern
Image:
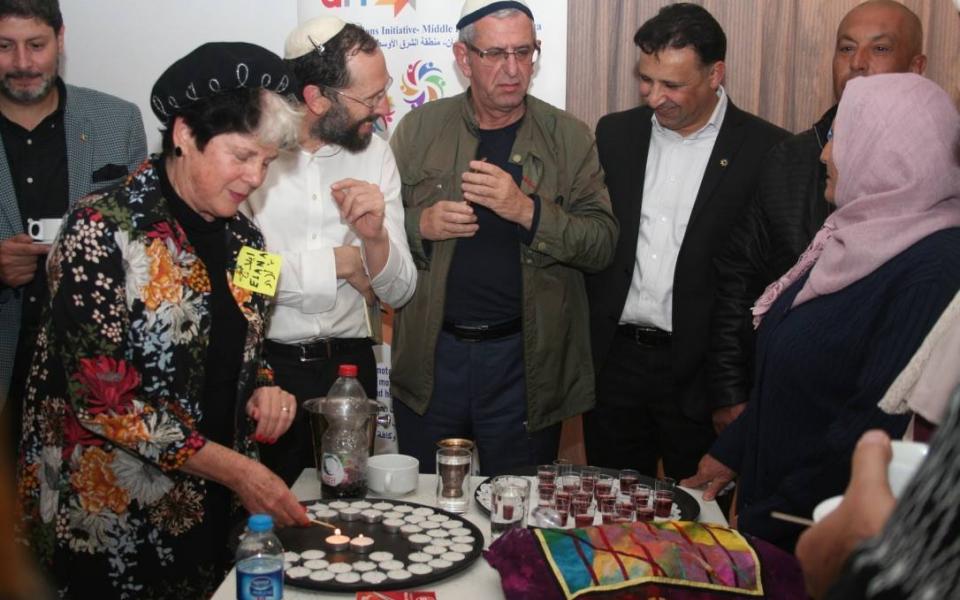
111	408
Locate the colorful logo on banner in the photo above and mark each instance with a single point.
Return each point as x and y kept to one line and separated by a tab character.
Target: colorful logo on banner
380	125
398	5
422	83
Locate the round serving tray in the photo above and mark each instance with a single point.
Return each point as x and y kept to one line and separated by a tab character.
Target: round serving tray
300	539
687	505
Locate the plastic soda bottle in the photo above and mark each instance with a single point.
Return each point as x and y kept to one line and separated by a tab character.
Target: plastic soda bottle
343	468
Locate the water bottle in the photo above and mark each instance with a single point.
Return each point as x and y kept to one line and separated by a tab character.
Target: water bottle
343	468
260	562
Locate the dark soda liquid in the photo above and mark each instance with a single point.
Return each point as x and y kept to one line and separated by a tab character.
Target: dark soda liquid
644	513
603	488
546	476
354	489
641	497
626	482
587	484
452	471
664	505
609	518
578	508
583	520
606	501
545	493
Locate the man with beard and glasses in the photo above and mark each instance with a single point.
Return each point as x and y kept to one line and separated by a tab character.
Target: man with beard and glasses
58	142
332	211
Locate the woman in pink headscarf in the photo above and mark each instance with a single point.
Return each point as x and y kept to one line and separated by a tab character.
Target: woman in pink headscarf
838	327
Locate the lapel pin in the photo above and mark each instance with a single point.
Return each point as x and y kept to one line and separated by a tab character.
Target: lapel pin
83	137
724	162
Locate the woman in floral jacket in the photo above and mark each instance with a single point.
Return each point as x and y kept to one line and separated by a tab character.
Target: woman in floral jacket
146	392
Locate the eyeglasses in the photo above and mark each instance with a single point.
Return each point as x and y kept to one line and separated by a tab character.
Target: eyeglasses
372	102
525	55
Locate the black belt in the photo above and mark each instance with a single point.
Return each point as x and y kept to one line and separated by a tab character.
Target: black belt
481	333
317	350
644	335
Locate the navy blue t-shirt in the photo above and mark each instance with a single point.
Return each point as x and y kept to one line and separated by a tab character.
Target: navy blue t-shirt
484	283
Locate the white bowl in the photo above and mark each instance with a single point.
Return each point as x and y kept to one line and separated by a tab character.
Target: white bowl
826	507
907	458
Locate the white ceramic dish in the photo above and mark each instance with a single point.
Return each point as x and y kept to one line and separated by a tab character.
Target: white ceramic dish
826	507
907	458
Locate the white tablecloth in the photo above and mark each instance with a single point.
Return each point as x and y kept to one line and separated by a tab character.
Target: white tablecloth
478	582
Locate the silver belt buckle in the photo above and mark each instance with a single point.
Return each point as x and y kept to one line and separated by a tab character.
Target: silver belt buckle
638	332
304	357
303	353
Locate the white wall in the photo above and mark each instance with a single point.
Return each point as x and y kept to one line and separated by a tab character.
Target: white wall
121	46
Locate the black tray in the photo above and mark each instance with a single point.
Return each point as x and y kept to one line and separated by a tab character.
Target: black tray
299	539
688	505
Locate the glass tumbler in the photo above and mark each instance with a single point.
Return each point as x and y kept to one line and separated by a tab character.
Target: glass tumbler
509	503
453	479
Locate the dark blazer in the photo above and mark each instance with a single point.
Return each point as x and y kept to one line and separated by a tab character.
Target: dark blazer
105	141
787	211
730	178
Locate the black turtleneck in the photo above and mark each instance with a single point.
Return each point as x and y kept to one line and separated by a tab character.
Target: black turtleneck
228	329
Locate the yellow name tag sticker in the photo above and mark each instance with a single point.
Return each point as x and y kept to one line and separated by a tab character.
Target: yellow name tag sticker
257	271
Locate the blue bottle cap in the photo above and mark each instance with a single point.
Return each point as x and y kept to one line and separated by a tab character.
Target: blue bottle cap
260	523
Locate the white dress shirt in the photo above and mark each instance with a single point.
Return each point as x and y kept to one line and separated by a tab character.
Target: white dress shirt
675	168
300	221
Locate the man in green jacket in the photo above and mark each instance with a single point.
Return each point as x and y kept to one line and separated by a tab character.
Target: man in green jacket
506	208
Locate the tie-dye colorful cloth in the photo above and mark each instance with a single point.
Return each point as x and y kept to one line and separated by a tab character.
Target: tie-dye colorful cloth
663	561
610	557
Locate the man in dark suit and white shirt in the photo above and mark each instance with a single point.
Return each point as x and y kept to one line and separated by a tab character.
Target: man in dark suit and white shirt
679	171
58	142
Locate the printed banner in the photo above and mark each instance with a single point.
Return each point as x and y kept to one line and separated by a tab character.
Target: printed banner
417	38
386	442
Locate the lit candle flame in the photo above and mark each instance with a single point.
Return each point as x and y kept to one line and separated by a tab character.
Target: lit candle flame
360	536
336	532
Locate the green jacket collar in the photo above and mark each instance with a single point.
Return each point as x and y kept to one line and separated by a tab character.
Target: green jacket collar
525	147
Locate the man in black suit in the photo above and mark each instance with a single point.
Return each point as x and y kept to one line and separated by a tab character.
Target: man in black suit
679	171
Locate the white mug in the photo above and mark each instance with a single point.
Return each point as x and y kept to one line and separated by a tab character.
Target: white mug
43	230
392	474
